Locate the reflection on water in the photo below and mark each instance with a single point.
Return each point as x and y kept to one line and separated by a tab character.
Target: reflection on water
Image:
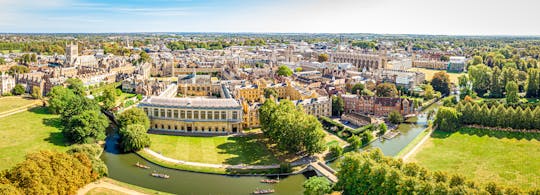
121	167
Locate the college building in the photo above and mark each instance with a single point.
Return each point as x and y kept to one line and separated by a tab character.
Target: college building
193	115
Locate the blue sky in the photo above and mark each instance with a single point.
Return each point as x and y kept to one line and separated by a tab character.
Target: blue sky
471	17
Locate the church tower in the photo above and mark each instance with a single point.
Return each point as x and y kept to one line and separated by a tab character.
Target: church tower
72	52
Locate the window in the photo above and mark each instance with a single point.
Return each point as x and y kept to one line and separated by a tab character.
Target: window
146	110
168	127
196	114
162	113
156	112
210	115
182	114
155	126
175	127
223	115
216	115
175	113
189	116
203	114
235	115
169	115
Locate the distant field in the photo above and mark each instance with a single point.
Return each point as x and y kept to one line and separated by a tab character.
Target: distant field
26	132
429	74
10	103
214	150
7	51
484	156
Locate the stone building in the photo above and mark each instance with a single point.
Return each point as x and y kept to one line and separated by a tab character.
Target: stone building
286	90
7	83
360	60
193	115
198	85
321	106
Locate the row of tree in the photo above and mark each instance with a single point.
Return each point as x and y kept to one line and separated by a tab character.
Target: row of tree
373	173
48	172
291	128
483	79
499	116
81	116
213	45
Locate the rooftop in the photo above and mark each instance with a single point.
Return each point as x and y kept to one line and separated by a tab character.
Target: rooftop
191	102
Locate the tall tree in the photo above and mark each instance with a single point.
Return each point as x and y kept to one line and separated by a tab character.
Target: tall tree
134	138
447	119
533	83
386	90
512	92
357	88
133	116
480	75
496	90
337	105
441	82
18	89
86	127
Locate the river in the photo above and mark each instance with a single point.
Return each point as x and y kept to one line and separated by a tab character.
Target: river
121	167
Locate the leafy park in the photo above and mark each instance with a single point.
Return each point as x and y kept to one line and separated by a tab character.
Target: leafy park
15	102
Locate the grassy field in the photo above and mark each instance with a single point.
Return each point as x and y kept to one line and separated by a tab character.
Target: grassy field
429	74
13	51
214	150
413	143
506	158
26	132
14	102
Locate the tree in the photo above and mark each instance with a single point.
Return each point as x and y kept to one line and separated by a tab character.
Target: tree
395	117
76	85
335	151
512	92
477	60
59	98
441	82
533	83
444	58
386	90
143	57
18	90
36	92
317	186
357	88
18	69
480	76
284	71
496	90
447	119
337	106
48	172
133	116
291	128
428	92
86	127
323	57
382	129
134	138
109	98
93	152
366	137
270	92
355	142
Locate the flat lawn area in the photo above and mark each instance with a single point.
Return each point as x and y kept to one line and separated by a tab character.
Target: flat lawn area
506	158
214	150
14	102
26	132
429	74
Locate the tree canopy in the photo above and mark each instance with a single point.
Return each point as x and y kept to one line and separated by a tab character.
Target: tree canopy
291	128
284	71
317	186
134	138
386	90
322	57
133	116
441	82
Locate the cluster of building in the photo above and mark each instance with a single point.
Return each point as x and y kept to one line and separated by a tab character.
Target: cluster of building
220	91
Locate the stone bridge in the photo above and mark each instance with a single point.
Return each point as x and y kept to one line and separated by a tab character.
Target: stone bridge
323	170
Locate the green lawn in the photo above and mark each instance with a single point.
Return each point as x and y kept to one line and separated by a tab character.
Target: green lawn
13	102
26	132
429	74
506	158
104	191
214	150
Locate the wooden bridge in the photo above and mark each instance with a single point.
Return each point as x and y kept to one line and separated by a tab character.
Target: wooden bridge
323	170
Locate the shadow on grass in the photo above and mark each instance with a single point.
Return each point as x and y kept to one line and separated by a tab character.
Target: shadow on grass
490	133
247	150
57	138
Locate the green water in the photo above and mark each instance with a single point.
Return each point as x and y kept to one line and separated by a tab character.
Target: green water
121	167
